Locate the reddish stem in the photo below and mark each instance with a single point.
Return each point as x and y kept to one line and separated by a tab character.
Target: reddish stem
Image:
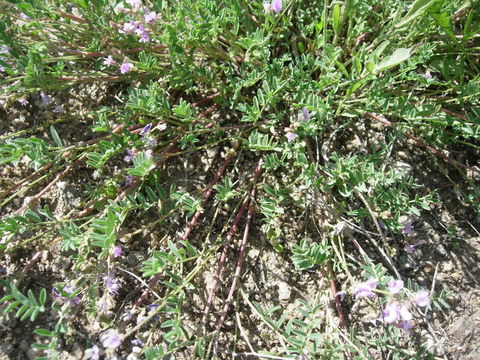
209	191
336	297
240	261
194	220
221	263
32	261
231	232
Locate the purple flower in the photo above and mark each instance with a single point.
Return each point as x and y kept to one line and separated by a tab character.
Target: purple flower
93	353
146	129
111	339
129	28
405	326
129	157
2	69
144	38
390	313
4	49
138	342
150	17
395	286
23	101
102	305
126	67
395	312
365	289
109	61
127	315
45	98
410	248
277	6
128	180
290	136
305	114
112	284
421	298
152	307
408	228
69	289
117	251
25	16
427	75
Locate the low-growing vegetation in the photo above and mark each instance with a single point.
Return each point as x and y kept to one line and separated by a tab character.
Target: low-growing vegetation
237	179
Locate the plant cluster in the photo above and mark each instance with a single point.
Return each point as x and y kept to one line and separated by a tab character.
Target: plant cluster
284	120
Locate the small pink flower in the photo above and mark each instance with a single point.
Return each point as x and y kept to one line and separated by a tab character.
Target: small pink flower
146	129
128	180
395	286
45	98
25	16
410	248
408	228
277	6
366	288
150	17
117	251
93	353
111	339
144	37
427	75
395	312
126	67
305	114
290	136
109	61
129	157
405	326
129	28
112	284
390	313
23	101
421	298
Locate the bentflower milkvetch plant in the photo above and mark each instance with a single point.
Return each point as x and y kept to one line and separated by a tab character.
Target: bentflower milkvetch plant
155	147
